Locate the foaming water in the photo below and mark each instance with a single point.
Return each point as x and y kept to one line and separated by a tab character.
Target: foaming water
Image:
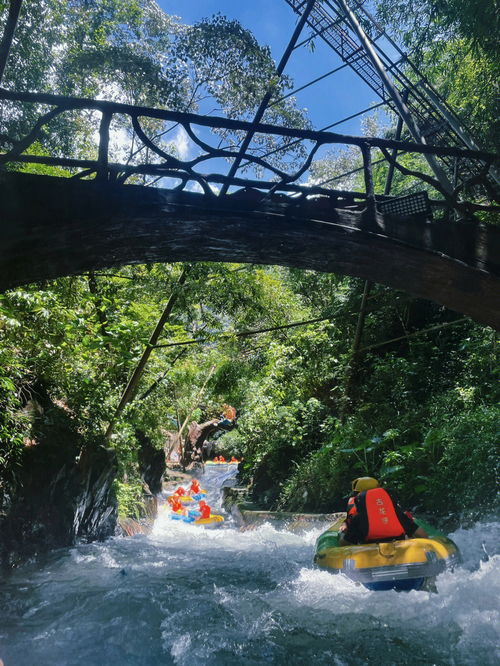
185	595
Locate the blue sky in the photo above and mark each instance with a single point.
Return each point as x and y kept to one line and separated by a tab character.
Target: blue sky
272	22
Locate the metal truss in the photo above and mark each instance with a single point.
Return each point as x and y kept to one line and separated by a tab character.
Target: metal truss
429	119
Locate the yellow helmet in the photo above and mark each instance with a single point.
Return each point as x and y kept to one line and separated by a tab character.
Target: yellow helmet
364	483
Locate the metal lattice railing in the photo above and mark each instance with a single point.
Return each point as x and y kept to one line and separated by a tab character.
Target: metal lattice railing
161	163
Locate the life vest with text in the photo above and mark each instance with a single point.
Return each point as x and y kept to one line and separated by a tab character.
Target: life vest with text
383	522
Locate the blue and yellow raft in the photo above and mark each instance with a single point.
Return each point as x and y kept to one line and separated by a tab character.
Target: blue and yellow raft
397	565
188	499
193	516
213	520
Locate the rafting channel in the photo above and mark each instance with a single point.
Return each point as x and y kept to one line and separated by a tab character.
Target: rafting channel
184	595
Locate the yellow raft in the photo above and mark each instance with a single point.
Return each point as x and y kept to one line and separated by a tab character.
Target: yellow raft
401	565
213	520
183	499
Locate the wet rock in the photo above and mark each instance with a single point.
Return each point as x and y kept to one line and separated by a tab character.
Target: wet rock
62	492
151	462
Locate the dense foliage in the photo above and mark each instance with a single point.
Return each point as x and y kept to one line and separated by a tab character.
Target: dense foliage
456	47
416	405
419	412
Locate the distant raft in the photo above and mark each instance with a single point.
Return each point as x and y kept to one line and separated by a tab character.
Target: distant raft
396	565
183	499
186	498
212	521
217	461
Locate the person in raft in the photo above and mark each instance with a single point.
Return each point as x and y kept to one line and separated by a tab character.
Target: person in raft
204	509
374	515
175	505
194	489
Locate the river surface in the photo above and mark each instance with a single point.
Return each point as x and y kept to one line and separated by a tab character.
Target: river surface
185	595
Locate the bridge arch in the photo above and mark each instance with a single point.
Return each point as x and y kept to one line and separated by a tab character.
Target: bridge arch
54	227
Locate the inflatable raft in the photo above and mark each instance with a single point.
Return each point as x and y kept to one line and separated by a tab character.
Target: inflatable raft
213	520
183	499
187	498
397	565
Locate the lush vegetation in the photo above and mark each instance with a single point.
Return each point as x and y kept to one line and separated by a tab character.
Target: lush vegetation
416	404
456	47
419	412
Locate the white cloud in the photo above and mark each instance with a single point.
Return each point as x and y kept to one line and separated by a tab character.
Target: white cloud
182	143
194	186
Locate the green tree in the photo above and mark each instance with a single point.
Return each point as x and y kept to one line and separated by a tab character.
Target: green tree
455	45
130	51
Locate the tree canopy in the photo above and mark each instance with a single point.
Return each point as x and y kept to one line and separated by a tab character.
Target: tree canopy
456	46
416	404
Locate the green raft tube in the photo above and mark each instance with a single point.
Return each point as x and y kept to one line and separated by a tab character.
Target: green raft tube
408	564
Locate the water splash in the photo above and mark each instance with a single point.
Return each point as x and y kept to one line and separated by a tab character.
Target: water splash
185	595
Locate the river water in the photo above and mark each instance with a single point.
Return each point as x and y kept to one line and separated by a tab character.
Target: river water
185	595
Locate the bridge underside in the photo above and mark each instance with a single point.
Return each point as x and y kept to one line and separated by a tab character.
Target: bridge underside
53	227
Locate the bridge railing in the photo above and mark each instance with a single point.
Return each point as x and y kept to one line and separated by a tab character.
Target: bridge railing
162	163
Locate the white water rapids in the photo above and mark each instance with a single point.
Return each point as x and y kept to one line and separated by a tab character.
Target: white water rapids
185	595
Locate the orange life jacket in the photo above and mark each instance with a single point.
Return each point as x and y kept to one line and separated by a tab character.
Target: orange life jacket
351	512
205	511
383	522
351	507
176	506
229	413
